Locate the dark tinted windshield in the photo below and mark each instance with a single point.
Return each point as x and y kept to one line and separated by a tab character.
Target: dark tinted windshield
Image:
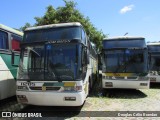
62	61
51	62
60	33
154	51
155	62
153	48
128	60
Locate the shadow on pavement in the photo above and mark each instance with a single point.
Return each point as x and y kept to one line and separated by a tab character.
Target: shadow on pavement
154	85
53	111
97	91
123	93
7	101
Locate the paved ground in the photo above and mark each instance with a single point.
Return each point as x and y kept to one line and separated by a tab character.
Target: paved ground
109	100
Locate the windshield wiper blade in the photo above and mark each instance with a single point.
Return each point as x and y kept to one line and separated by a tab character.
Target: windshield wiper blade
120	67
35	52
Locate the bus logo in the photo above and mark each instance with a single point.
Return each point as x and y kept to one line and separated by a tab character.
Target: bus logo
6	114
49	47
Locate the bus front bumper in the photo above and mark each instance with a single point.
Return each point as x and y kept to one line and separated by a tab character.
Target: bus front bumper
51	98
154	78
127	84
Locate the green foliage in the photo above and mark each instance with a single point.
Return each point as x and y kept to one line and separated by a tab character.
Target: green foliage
25	26
69	13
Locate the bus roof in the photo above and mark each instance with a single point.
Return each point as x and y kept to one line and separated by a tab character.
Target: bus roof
123	37
53	26
9	29
154	43
124	42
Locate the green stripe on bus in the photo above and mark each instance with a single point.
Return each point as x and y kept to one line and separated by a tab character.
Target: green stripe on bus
7	59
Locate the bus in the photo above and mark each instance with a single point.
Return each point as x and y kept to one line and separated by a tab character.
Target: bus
58	65
154	61
9	59
125	63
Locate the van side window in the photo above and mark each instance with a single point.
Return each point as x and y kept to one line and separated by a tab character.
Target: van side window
3	40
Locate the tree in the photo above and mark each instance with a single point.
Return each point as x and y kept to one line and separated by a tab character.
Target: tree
69	13
25	26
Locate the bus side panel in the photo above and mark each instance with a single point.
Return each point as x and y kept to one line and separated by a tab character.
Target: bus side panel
154	78
127	84
50	97
7	82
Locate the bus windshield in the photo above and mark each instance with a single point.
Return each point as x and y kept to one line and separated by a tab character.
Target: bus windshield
155	62
55	62
125	61
154	57
59	33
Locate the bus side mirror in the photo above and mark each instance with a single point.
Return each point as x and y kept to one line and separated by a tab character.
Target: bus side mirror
85	56
149	57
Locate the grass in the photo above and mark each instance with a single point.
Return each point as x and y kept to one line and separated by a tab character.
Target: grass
124	99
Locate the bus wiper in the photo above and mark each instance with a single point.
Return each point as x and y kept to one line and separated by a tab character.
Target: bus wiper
119	67
123	66
35	52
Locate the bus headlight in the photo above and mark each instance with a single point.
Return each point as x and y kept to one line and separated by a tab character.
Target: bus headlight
71	88
23	88
79	88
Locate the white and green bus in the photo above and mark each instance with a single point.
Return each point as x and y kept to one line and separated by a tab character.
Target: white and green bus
9	59
154	63
125	63
58	65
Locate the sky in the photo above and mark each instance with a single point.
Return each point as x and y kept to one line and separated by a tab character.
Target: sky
113	17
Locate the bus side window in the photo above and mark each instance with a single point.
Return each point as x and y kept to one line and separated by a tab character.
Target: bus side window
15	46
3	40
16	42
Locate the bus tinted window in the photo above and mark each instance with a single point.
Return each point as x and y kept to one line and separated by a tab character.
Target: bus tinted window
123	43
3	40
61	33
16	42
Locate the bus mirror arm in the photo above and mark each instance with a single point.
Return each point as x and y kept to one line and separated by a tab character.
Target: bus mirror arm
149	57
85	56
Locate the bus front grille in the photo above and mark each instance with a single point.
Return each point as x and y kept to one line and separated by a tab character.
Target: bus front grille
120	78
46	88
131	77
